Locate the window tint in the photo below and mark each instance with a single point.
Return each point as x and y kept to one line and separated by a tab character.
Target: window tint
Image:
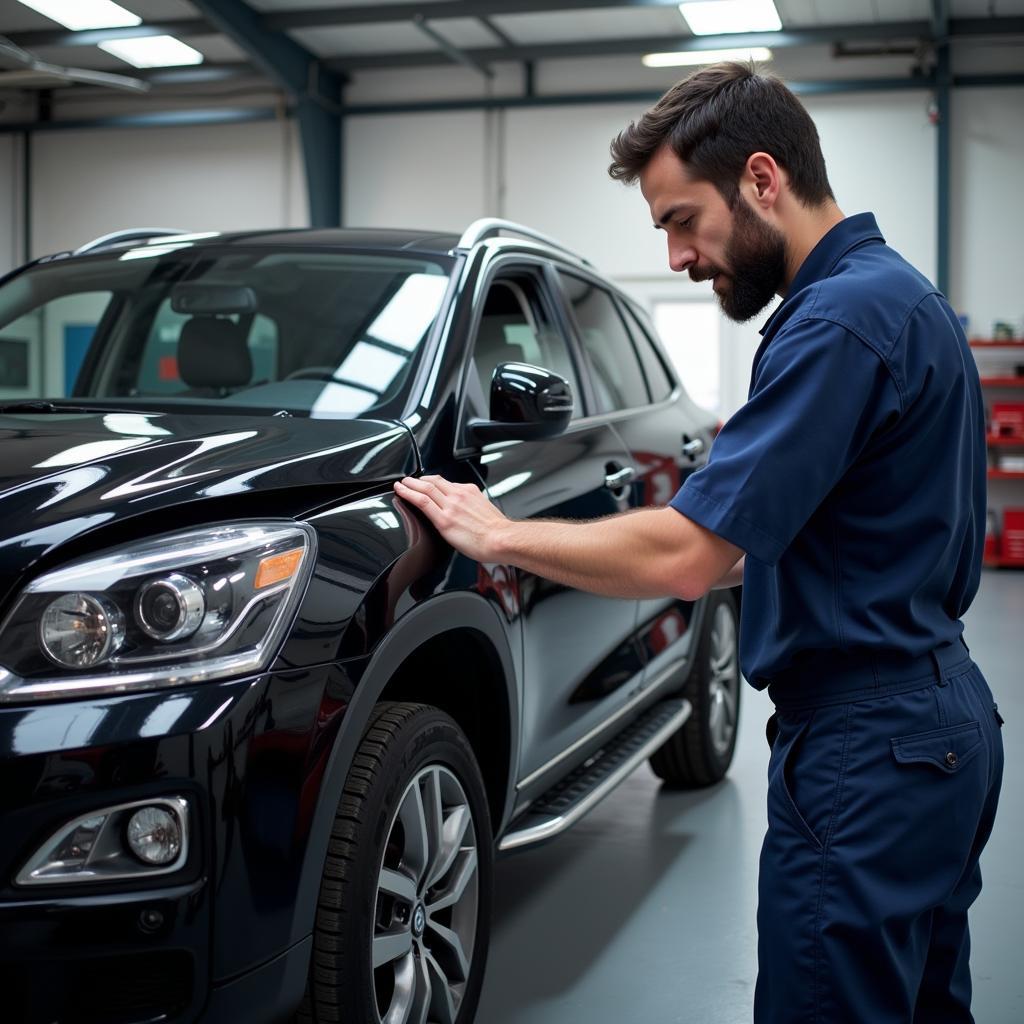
514	328
607	347
658	380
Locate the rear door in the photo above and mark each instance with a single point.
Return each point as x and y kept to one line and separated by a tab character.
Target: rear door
668	438
581	661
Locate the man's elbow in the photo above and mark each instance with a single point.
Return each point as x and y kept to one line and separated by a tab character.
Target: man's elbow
685	581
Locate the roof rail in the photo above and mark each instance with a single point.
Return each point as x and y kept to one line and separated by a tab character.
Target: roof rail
128	235
491	227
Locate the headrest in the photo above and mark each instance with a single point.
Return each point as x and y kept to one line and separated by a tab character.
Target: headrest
212	353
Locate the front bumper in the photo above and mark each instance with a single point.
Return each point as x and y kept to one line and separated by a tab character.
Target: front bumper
214	941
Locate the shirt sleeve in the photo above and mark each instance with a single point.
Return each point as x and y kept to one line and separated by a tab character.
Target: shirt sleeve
819	394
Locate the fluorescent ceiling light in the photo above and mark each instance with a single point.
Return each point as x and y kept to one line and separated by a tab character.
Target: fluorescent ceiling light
693	57
80	14
153	51
718	17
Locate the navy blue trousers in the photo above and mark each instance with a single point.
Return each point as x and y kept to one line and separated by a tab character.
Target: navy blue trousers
880	801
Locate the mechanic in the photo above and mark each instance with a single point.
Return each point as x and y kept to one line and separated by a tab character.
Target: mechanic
848	494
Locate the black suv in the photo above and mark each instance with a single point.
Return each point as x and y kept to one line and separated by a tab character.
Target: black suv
262	732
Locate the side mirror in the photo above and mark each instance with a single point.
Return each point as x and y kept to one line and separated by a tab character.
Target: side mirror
528	403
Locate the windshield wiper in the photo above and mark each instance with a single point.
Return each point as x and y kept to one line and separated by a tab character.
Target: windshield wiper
43	407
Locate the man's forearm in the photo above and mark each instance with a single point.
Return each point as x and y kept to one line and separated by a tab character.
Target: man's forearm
618	556
648	552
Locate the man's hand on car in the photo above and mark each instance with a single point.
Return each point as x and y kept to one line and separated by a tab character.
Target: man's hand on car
461	513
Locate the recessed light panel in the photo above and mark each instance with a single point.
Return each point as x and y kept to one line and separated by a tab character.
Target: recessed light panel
719	17
83	14
688	58
153	51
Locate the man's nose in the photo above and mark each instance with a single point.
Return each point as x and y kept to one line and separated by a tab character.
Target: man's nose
681	257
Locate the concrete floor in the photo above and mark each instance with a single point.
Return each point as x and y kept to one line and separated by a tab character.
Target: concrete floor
645	911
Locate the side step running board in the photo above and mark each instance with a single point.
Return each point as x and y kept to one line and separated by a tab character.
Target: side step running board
580	791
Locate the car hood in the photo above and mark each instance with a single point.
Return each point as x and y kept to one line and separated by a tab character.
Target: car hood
66	474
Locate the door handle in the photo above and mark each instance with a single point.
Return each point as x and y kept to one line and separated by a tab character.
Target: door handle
622	478
693	448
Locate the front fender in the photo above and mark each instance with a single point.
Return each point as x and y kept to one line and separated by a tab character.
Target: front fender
432	618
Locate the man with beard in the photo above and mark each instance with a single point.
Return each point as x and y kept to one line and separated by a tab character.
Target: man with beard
848	493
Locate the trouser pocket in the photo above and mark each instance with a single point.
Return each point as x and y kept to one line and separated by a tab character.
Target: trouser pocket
950	749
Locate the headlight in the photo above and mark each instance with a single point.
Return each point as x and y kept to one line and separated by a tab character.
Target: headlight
181	608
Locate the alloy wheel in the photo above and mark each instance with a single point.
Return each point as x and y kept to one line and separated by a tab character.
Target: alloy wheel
724	679
427	903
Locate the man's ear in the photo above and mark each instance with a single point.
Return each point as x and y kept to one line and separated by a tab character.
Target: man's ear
762	177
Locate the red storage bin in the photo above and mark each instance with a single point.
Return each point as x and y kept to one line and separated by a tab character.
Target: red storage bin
1008	419
1013	534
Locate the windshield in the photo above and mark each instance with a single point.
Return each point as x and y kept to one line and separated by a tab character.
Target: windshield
326	334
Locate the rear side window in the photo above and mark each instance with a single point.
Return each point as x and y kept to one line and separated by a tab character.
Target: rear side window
658	380
607	347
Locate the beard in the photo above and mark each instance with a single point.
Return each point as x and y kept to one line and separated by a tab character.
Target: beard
756	252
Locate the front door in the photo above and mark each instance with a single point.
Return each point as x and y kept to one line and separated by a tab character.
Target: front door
581	660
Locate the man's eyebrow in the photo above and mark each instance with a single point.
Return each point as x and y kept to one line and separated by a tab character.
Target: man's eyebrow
670	213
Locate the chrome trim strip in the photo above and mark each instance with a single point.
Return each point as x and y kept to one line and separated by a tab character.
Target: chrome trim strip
552	827
643	694
490	227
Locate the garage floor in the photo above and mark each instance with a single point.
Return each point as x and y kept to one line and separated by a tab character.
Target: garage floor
645	911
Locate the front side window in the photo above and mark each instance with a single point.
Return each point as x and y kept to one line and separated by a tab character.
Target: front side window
617	377
514	328
323	334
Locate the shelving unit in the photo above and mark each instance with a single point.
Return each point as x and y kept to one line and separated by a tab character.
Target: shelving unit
1013	478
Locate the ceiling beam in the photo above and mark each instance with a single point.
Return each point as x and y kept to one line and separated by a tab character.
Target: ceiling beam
903	30
316	91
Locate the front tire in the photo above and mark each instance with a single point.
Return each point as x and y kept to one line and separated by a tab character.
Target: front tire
699	753
403	918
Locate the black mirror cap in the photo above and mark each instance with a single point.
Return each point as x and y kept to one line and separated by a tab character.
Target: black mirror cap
528	403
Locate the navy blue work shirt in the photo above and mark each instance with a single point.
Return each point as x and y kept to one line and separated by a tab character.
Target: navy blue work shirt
854	476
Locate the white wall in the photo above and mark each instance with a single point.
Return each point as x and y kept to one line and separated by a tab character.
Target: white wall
225	177
987	268
11	214
417	170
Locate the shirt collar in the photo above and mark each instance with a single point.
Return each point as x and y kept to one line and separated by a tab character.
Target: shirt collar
822	259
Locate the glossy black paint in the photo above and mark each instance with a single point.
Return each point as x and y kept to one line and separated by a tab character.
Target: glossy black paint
263	759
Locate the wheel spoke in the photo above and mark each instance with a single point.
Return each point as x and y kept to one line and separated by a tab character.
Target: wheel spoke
415	848
715	717
453	946
397	884
452	834
457	886
404	994
423	994
730	704
442	1005
433	811
389	946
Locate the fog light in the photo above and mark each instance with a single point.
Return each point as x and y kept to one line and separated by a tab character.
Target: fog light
127	841
81	630
154	835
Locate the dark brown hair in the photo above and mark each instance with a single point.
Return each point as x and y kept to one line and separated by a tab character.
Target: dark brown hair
715	119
